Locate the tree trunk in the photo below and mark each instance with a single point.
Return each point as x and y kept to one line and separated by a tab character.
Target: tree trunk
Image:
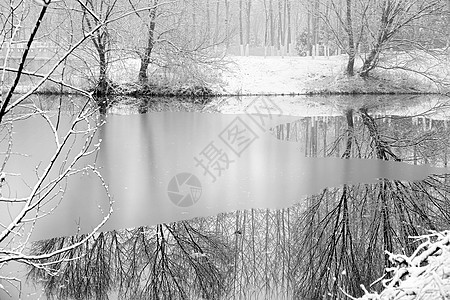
370	61
308	33
216	32
272	30
280	28
241	30
315	25
145	58
383	36
289	30
208	23
351	43
266	28
448	24
100	41
247	46
227	23
102	87
285	28
194	19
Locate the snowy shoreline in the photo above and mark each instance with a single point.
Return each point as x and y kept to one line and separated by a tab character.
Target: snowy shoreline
294	75
265	76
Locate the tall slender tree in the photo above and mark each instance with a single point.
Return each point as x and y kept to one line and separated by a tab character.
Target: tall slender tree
241	28
146	56
247	41
95	14
351	43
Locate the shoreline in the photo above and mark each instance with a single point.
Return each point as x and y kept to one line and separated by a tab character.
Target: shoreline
183	95
271	76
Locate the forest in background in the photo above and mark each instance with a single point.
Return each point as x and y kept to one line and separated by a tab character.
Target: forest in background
185	42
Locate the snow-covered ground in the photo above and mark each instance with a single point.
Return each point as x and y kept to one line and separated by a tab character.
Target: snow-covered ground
278	75
256	75
297	75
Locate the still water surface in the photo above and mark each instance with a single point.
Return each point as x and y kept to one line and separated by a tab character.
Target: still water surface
162	167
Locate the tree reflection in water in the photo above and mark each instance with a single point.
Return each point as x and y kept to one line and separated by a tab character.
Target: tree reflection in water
333	241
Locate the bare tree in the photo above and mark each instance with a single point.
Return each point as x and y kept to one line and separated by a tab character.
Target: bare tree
396	16
408	27
168	53
95	13
351	41
146	55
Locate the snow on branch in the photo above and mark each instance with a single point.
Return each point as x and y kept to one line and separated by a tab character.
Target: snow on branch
423	275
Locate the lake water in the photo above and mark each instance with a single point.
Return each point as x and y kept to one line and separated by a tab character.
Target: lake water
281	195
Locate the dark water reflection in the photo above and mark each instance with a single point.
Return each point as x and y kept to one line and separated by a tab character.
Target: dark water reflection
298	251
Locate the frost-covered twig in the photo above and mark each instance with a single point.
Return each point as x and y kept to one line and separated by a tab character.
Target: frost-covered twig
423	275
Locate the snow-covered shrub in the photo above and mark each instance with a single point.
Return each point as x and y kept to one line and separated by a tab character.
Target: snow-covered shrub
423	275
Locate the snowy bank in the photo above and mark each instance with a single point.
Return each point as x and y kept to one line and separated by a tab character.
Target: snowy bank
303	75
278	75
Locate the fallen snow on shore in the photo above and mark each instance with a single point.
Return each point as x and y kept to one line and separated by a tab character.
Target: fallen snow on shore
257	75
251	75
278	75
